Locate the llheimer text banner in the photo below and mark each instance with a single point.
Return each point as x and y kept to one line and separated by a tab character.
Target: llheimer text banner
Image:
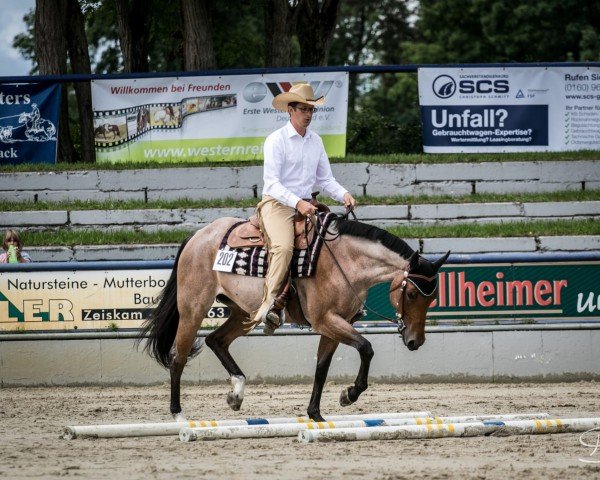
510	109
479	293
537	292
199	119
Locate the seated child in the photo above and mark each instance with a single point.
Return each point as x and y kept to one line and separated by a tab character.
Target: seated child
13	247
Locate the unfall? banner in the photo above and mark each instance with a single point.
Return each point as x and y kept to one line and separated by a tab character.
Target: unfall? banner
510	109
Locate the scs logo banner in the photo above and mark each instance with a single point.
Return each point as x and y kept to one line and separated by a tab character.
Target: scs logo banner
444	86
256	91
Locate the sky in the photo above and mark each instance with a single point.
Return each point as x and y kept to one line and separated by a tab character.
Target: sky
11	24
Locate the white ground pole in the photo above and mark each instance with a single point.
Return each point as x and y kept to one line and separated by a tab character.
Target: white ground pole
472	429
173	428
292	429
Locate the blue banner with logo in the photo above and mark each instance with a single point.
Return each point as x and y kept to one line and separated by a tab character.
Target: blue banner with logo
29	123
512	109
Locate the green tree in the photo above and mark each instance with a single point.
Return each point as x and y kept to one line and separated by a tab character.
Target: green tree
480	31
50	35
198	39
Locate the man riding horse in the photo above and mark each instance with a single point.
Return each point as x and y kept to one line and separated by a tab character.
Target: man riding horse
356	256
294	163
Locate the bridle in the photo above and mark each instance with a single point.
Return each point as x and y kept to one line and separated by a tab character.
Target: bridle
400	282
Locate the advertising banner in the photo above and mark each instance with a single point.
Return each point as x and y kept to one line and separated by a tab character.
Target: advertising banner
28	123
82	299
504	293
467	294
195	119
510	109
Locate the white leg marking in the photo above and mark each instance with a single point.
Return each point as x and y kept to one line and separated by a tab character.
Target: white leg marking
238	383
179	417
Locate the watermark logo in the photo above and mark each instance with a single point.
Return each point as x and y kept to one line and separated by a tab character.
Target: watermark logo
444	86
591	439
256	91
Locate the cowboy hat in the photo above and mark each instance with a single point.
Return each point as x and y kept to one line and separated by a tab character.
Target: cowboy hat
301	93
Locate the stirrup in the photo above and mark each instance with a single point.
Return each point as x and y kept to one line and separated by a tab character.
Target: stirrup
271	323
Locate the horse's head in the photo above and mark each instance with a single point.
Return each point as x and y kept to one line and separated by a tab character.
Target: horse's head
411	293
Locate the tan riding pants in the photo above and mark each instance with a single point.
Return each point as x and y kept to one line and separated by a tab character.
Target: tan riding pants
277	224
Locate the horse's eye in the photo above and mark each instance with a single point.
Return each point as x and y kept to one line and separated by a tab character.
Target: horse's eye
412	295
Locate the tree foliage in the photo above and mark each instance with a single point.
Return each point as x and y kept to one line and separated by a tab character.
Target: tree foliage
176	35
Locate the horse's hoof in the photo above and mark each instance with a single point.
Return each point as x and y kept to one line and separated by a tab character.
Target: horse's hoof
345	398
234	401
317	418
179	417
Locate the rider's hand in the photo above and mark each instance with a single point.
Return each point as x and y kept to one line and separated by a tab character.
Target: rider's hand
305	208
349	201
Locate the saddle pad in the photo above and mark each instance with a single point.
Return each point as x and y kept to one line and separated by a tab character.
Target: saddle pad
254	261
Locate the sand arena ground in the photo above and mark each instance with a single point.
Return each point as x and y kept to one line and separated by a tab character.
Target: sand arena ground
31	420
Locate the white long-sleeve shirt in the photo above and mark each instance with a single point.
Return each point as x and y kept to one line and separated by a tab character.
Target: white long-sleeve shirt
296	165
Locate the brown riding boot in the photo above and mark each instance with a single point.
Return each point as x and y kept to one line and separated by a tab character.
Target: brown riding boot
274	318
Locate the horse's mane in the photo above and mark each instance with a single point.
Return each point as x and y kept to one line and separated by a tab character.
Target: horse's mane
375	234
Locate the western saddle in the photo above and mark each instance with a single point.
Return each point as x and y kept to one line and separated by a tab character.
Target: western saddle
248	234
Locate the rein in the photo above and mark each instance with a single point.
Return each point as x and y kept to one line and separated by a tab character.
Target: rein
398	320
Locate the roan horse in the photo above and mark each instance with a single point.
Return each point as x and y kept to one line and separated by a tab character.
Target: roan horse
356	257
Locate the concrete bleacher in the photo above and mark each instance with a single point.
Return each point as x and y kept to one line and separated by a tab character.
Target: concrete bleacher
361	178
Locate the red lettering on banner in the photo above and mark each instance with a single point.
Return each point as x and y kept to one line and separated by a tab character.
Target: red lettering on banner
518	287
442	290
485	289
558	285
451	288
500	302
462	288
543	287
454	290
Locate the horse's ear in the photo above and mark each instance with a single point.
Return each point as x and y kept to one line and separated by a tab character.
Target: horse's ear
413	262
440	261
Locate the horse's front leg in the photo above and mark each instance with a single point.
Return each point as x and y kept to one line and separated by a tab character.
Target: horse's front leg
219	342
325	353
339	330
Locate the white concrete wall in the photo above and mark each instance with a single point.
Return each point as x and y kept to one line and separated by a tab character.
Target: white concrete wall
426	246
381	215
246	182
521	354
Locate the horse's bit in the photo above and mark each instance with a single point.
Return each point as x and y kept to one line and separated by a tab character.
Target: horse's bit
402	282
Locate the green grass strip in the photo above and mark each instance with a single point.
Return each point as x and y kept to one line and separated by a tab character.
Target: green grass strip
516	229
566	196
494	230
427	158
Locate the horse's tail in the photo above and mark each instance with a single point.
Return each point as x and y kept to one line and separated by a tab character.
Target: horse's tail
161	326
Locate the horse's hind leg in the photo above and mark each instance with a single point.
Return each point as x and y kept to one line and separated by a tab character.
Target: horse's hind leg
184	341
219	342
327	348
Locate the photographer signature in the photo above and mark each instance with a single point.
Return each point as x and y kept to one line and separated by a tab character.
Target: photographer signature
591	439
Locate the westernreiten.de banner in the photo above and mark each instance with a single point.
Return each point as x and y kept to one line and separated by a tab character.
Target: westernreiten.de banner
195	119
